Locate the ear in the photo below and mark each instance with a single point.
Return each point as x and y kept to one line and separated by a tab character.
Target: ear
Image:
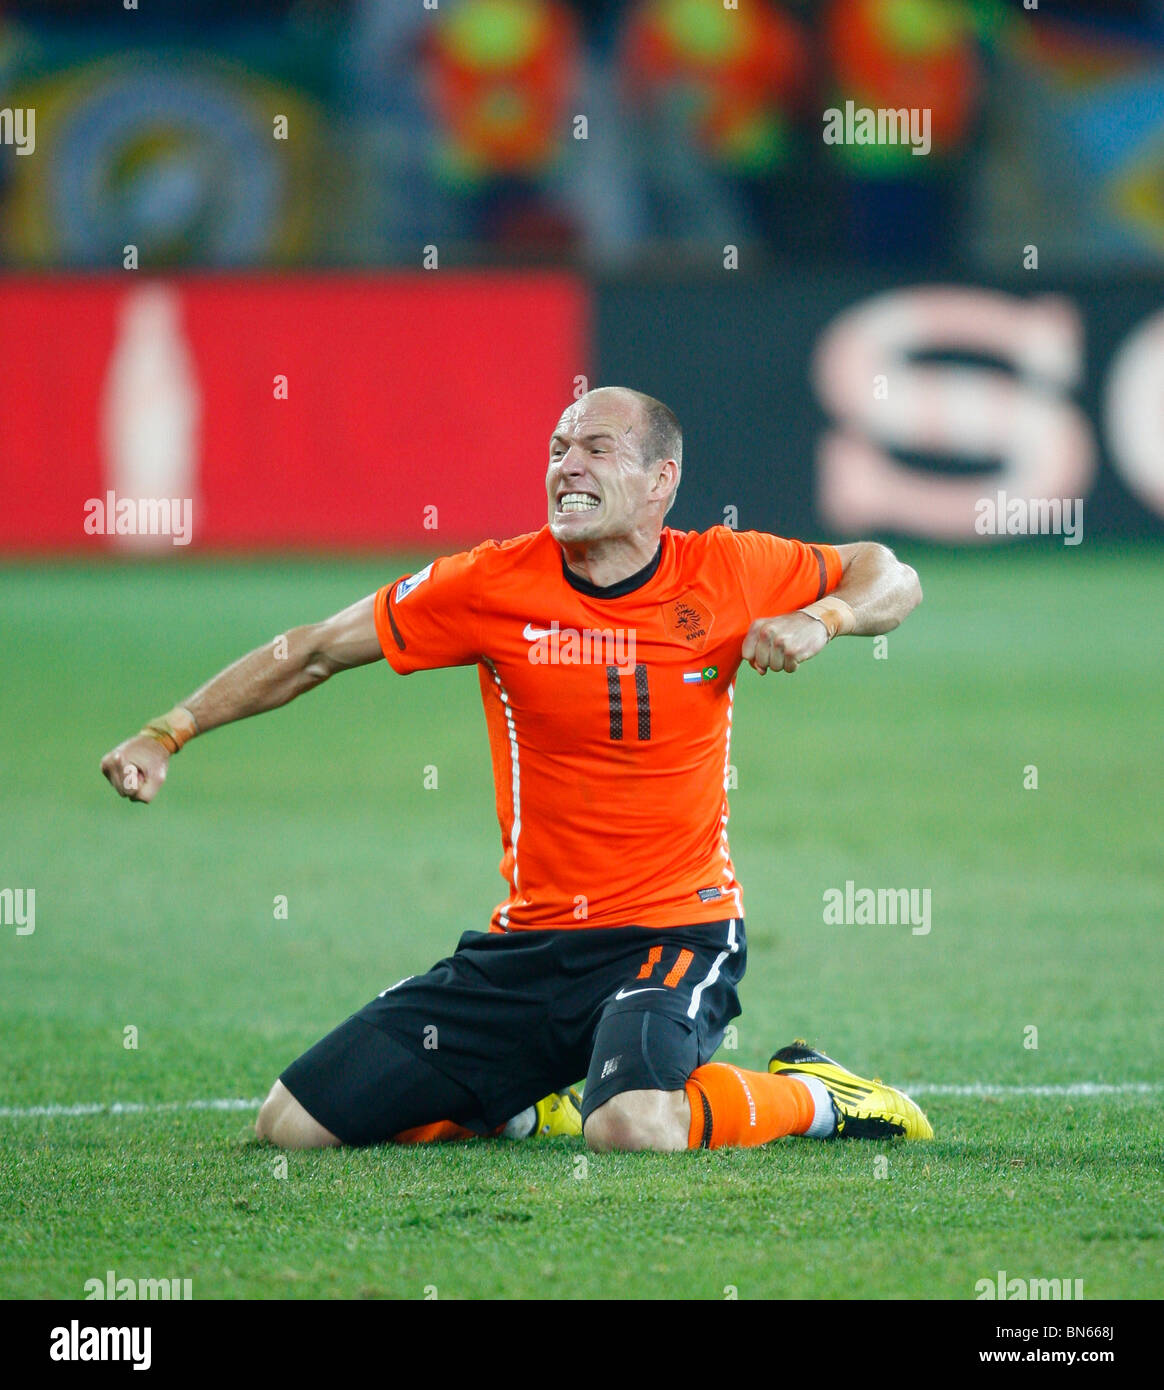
666	478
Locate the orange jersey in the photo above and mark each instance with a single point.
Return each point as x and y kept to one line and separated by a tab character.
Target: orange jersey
609	711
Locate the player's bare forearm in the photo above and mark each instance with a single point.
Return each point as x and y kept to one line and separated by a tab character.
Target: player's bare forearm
266	678
877	586
270	676
876	593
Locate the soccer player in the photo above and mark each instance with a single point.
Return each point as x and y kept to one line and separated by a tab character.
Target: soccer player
607	647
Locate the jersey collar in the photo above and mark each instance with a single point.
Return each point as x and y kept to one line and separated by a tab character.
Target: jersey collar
623	587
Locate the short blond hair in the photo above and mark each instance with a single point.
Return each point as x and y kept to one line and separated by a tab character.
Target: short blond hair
663	435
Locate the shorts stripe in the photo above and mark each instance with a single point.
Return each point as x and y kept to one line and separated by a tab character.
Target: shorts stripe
679	969
713	974
654	956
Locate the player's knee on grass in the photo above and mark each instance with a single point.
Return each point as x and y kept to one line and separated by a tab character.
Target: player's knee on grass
655	1120
283	1121
635	1095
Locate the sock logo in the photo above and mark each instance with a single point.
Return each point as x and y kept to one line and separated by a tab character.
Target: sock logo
750	1099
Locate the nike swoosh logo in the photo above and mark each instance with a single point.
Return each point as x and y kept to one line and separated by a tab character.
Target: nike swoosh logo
535	634
651	989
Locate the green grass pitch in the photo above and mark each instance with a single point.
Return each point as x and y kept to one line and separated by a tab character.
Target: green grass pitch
903	771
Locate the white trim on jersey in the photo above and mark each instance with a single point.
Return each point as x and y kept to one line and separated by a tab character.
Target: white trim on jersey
515	781
723	820
713	974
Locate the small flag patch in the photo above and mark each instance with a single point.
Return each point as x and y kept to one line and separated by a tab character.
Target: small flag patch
692	677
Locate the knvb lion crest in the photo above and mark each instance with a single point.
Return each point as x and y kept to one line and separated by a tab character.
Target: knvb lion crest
688	620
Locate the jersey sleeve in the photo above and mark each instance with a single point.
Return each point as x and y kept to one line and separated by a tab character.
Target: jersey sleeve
778	575
432	618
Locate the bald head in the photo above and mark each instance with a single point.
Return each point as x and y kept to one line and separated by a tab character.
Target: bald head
655	428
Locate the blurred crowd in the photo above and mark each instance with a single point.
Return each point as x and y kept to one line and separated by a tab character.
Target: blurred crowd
599	133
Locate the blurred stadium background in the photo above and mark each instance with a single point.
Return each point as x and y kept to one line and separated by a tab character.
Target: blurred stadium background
397	207
329	272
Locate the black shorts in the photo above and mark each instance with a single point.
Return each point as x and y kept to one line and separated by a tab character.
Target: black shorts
512	1016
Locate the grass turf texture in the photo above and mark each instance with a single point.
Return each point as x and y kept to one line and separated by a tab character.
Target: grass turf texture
906	771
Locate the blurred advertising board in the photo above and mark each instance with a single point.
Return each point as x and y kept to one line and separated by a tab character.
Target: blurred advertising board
333	412
318	412
849	405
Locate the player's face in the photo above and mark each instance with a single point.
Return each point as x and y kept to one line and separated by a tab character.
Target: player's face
596	485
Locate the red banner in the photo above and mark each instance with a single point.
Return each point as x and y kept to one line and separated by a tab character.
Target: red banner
322	412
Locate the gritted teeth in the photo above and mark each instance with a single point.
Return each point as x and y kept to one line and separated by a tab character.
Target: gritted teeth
577	502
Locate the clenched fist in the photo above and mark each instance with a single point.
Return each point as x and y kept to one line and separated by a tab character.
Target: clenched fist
137	768
781	644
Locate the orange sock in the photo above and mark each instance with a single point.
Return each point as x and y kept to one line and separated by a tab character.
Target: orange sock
433	1134
732	1106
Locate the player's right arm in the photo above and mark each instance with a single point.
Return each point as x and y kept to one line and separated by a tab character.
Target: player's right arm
264	679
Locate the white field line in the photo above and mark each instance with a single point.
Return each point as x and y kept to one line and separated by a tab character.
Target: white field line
1076	1089
1068	1090
121	1107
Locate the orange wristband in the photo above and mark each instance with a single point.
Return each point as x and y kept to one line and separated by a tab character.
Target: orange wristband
172	730
835	613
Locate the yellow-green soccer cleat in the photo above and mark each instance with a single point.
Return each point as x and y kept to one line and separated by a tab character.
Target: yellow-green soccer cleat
560	1113
865	1109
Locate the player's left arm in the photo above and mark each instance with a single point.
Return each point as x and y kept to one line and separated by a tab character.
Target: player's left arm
877	592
